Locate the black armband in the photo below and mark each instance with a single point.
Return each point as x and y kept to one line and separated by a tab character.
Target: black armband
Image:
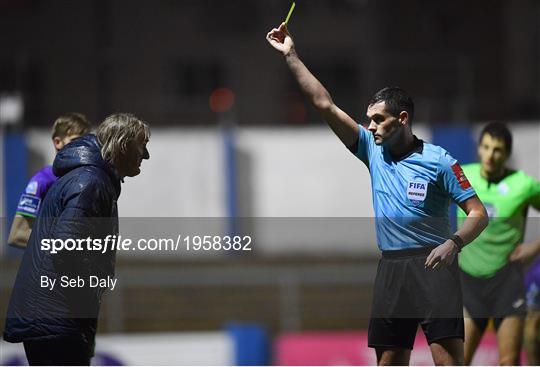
458	241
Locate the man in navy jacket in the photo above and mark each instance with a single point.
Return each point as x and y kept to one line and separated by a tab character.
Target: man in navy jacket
57	320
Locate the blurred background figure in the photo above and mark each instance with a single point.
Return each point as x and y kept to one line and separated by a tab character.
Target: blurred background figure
492	266
232	137
65	129
532	322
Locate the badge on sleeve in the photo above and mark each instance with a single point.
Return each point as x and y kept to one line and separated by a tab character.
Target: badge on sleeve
32	188
29	204
417	191
460	176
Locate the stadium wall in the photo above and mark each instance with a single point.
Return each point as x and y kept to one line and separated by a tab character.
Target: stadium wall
280	172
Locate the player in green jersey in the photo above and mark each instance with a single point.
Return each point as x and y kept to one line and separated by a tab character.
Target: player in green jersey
492	265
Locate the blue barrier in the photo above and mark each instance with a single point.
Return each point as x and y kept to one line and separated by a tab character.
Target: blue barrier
251	344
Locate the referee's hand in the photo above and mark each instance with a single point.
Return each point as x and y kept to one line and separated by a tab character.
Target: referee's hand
442	255
281	39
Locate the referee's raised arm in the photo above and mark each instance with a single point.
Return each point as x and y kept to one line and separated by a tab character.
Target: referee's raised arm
340	122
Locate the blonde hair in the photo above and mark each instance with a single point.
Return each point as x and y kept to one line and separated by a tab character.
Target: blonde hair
72	123
115	133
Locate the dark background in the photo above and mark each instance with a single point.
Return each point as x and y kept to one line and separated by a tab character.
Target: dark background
462	61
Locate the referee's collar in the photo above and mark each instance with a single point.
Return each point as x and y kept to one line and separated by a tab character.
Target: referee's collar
417	147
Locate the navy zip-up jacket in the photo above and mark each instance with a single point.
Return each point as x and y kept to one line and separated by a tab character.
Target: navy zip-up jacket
81	204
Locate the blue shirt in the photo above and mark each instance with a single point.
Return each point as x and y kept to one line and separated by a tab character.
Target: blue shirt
411	195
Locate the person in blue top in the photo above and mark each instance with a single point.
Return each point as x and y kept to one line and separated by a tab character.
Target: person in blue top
66	128
413	183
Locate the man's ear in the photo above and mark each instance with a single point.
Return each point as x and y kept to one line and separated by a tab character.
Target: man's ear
403	117
58	143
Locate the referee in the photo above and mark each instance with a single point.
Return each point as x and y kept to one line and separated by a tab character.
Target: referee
413	183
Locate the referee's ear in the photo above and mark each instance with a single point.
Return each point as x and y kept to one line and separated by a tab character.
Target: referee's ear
404	118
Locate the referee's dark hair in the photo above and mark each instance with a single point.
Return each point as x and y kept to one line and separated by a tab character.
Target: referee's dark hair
498	130
396	100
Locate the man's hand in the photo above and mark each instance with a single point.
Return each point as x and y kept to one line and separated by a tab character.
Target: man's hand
442	255
341	124
524	253
20	231
280	39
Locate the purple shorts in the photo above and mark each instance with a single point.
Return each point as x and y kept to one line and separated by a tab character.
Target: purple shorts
532	286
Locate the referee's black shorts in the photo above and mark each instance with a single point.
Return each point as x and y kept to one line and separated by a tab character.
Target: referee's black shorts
406	294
